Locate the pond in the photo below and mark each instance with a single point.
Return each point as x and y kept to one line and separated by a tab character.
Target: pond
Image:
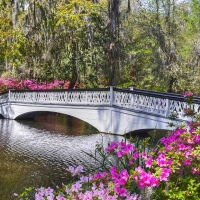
37	152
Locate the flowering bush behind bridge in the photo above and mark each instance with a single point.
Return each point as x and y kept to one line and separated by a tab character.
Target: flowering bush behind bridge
31	84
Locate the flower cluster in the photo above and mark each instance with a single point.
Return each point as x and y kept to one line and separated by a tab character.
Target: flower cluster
189	97
188	94
100	186
31	84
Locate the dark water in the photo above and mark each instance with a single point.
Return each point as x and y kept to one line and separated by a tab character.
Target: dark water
37	152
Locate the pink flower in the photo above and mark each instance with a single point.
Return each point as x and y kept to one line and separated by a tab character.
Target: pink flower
129	148
60	197
76	187
50	197
123	177
165	174
84	179
70	169
198	139
130	162
135	155
195	171
181	147
188	94
186	154
161	160
144	155
148	162
154	182
99	175
39	196
187	162
75	171
78	170
114	173
48	191
121	191
122	144
139	169
112	147
120	153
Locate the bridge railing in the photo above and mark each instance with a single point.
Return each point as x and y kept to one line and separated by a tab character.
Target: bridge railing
4	97
78	96
157	103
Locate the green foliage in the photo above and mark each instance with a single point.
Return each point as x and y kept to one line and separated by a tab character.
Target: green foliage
156	44
184	189
27	193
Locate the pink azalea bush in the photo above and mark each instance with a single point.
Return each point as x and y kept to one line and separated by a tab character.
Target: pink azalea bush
31	84
171	169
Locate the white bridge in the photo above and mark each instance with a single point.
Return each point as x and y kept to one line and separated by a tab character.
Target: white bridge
111	110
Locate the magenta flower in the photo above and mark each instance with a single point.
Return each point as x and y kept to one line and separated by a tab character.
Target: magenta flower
198	139
121	191
131	162
144	155
188	94
122	144
112	147
99	175
165	174
187	162
123	177
114	173
135	155
181	147
148	162
161	160
120	153
129	148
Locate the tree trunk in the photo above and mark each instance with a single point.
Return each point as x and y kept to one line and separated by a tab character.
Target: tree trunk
112	61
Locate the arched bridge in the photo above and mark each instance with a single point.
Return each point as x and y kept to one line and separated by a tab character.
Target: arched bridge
110	110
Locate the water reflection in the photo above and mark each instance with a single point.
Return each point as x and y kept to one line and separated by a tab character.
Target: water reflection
64	124
36	153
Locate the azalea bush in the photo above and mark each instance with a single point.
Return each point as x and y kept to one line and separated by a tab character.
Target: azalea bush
133	171
32	84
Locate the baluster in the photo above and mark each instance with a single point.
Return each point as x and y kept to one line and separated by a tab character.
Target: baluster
34	97
9	95
132	100
111	96
132	87
66	97
167	109
86	97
